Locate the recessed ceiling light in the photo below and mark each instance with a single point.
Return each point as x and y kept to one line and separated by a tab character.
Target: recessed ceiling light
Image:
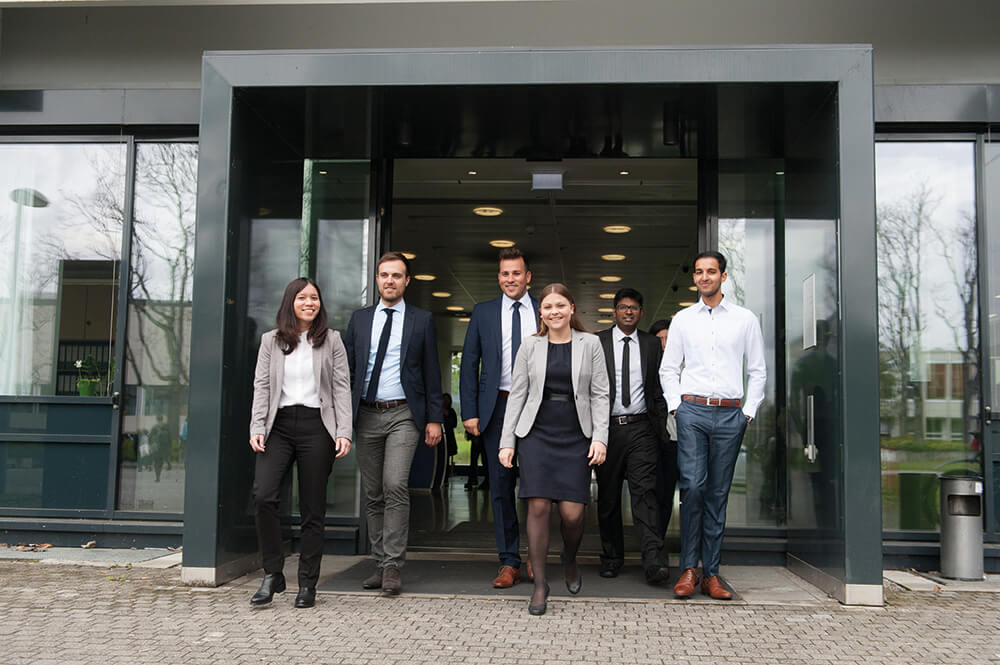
617	228
473	172
409	255
610	278
692	288
623	172
424	277
487	211
685	304
441	294
502	243
605	310
322	172
264	212
613	257
607	296
605	321
464	319
454	308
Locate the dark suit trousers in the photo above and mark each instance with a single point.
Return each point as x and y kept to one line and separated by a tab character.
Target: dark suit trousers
666	483
633	455
502	482
297	435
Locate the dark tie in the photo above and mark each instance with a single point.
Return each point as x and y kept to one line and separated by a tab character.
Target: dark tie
383	344
515	333
626	365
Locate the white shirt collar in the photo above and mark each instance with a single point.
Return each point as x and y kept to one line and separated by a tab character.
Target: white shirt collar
525	301
722	304
398	307
619	335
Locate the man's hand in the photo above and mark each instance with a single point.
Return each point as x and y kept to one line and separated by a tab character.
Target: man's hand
471	426
432	434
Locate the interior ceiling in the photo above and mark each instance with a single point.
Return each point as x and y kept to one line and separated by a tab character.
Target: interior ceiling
561	231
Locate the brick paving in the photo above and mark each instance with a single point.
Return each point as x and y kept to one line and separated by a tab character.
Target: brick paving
66	614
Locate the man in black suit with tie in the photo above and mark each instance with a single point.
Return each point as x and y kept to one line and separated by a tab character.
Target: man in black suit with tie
396	393
638	430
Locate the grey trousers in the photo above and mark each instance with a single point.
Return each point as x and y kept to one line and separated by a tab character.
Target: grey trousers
386	440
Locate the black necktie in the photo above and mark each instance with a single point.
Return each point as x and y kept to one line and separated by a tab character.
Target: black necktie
383	344
515	333
626	365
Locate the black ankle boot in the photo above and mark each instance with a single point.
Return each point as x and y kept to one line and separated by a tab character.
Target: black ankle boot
273	583
306	597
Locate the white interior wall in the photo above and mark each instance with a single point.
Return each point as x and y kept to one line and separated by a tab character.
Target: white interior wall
915	41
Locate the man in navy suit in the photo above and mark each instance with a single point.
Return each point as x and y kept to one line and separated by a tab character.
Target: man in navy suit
496	329
396	393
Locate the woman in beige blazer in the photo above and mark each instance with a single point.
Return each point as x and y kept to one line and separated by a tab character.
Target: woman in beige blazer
301	413
557	419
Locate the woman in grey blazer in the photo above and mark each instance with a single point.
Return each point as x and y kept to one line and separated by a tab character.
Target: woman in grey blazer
557	419
301	413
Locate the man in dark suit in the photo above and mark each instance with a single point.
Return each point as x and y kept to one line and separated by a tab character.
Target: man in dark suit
637	432
396	393
496	329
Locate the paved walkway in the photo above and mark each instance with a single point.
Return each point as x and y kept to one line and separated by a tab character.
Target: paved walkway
139	612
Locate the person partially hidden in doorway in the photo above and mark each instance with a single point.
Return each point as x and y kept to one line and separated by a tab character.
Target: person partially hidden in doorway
702	376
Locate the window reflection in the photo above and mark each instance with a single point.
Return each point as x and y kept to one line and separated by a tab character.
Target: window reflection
157	353
61	216
928	324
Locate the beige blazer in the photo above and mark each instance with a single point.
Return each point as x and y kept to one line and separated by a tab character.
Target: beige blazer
333	382
590	388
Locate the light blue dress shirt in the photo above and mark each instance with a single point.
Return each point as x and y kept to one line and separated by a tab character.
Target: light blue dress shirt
390	387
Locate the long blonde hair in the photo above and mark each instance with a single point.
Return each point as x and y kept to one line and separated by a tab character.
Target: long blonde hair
561	290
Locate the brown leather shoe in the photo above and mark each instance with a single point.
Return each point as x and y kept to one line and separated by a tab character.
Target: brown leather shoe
507	577
392	583
373	581
686	583
712	586
529	574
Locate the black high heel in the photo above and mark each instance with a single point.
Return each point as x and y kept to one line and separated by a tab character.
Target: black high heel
539	610
572	587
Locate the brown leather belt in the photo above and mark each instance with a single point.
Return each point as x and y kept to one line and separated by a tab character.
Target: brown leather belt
712	401
382	406
628	419
504	393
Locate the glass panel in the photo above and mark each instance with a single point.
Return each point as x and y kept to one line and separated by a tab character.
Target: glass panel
928	324
158	349
53	475
55	419
992	225
61	219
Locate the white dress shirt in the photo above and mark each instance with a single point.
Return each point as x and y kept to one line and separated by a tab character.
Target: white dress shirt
529	326
298	383
390	386
711	345
638	404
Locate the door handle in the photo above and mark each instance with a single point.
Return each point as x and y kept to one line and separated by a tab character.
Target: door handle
115	400
989	414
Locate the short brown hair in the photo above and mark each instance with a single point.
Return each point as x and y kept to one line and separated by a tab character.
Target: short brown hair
393	256
511	253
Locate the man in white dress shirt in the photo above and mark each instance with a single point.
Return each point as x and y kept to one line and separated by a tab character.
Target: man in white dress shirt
702	376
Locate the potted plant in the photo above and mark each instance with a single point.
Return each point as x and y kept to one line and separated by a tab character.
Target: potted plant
89	376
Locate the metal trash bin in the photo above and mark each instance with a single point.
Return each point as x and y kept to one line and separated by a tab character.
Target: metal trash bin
962	527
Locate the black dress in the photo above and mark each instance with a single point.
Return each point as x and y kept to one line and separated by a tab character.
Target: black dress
553	456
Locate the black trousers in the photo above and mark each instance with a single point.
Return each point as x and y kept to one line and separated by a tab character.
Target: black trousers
298	435
633	455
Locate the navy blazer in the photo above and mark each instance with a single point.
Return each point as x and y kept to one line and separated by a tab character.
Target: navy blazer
479	386
419	371
650	354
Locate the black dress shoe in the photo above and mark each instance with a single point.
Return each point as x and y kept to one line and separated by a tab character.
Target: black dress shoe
273	583
657	574
575	586
539	610
608	570
306	597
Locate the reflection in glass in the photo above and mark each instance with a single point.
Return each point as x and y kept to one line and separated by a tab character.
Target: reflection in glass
61	216
992	189
157	354
53	475
928	324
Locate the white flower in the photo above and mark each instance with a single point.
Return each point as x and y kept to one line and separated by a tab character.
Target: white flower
78	364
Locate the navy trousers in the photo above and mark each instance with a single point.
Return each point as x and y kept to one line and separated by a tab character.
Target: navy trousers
708	444
502	482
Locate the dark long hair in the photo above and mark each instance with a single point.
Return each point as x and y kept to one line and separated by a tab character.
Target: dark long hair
288	324
562	290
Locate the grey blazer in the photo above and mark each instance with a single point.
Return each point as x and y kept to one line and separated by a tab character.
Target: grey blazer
333	381
590	388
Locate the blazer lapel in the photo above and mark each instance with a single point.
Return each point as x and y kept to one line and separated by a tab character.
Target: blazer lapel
577	354
534	313
318	366
608	342
407	332
540	357
497	332
643	357
277	367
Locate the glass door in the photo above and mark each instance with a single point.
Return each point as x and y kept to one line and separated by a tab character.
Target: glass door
989	451
62	215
